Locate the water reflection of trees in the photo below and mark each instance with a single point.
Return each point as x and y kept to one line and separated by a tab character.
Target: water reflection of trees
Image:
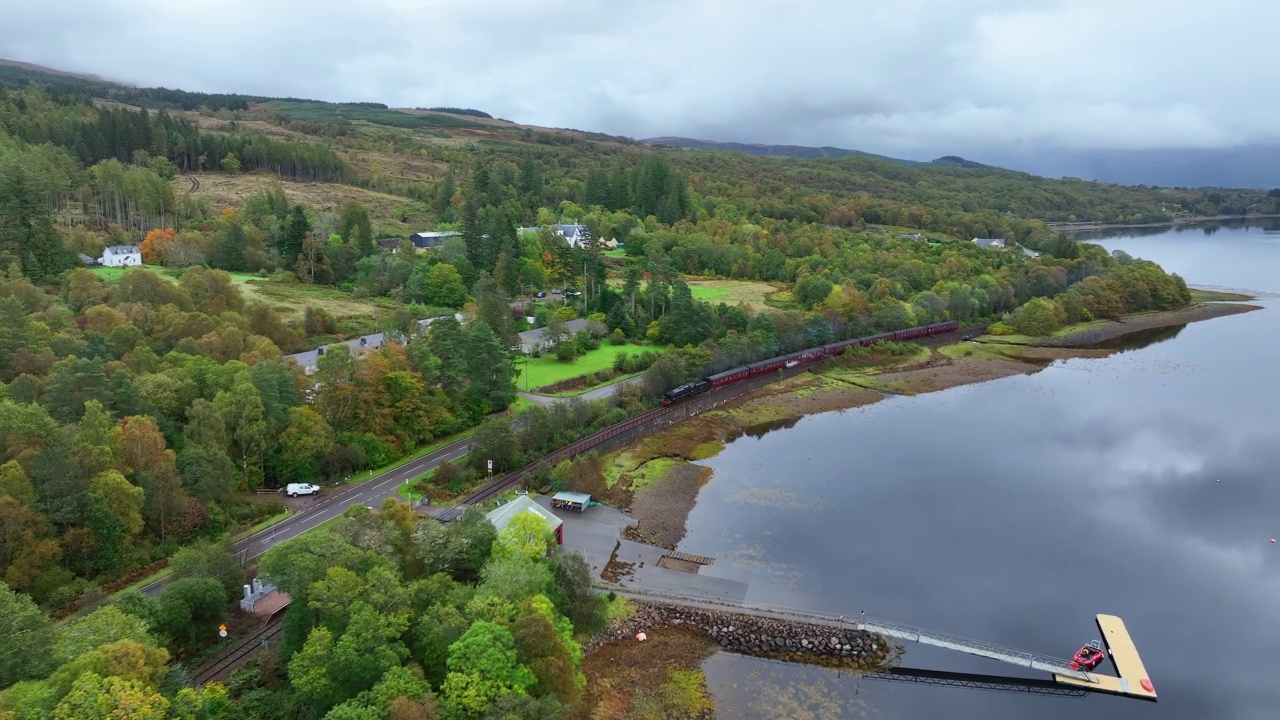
1140	339
1207	228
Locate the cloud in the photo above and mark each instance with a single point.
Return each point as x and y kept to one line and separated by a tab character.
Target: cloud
915	77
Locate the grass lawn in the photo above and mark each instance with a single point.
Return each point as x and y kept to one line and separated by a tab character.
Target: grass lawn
108	274
730	292
618	253
291	300
545	370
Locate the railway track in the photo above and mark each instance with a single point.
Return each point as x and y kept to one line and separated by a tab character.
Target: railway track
496	489
231	658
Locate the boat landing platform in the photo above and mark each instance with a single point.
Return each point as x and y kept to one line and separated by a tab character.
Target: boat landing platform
1133	680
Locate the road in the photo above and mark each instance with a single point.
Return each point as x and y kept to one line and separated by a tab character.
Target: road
370	492
600	392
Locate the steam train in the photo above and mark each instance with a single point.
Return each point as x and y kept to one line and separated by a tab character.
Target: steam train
697	387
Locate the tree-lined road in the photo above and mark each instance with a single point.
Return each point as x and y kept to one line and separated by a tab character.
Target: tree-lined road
370	492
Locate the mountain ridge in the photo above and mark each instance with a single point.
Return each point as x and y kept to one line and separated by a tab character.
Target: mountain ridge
806	152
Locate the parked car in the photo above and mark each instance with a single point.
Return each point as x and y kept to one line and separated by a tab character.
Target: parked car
540	294
296	489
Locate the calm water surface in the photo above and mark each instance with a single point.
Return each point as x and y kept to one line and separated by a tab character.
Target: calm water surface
1145	485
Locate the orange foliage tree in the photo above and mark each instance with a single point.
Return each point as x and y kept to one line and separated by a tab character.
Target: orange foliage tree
155	244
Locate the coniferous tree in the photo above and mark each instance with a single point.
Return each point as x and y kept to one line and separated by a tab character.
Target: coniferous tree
228	250
295	230
354	227
489	368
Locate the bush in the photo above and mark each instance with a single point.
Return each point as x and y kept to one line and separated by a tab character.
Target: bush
1001	328
1040	316
566	351
617	338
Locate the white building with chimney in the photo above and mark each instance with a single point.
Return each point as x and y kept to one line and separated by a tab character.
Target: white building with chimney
121	256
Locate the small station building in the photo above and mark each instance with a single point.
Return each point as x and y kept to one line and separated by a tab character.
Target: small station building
503	515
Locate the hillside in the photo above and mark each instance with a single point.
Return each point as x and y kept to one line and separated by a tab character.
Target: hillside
795	151
409	153
162	253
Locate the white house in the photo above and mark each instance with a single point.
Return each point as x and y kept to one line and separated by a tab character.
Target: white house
121	256
575	234
996	243
529	339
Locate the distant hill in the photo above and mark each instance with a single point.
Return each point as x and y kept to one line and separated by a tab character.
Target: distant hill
47	70
808	153
1256	166
796	151
955	161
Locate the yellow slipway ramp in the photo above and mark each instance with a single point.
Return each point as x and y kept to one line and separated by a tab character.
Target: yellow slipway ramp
1133	681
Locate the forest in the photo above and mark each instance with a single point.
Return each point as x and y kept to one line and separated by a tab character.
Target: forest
141	409
392	616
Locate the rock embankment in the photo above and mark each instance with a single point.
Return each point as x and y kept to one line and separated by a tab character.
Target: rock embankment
779	639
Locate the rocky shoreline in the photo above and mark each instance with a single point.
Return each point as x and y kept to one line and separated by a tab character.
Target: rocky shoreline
778	639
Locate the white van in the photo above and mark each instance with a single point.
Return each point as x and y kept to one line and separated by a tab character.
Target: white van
296	489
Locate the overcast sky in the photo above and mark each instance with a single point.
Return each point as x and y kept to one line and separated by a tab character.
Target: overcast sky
915	78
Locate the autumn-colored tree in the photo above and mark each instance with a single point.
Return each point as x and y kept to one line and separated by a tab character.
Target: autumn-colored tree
123	499
304	442
145	457
155	246
15	483
94	697
527	535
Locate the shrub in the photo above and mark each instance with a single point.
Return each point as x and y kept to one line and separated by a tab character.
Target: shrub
617	338
1001	328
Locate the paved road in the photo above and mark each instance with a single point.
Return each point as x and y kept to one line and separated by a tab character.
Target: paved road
332	503
600	392
372	492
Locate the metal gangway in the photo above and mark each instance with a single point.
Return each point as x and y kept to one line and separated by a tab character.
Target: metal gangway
888	628
1022	658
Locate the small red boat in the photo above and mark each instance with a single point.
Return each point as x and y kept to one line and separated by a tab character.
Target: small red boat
1089	656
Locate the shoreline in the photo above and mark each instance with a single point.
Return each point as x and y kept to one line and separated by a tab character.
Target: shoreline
1090	226
655	479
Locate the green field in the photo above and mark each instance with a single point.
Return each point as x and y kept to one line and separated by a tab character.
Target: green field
291	299
107	274
545	370
730	292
